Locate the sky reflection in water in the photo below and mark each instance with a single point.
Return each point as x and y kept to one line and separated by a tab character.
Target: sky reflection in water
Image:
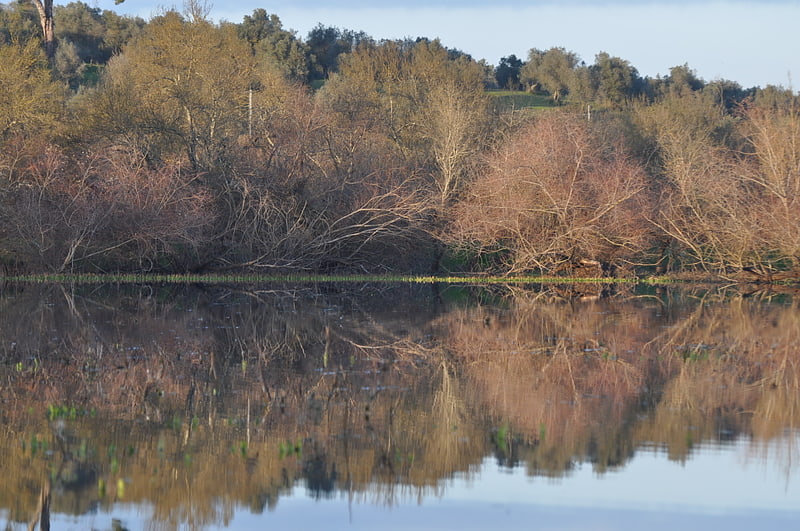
650	492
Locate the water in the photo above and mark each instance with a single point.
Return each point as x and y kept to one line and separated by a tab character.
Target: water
399	407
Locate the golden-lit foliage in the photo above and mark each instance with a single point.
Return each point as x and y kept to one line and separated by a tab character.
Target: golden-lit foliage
774	134
180	84
346	153
729	195
30	101
429	103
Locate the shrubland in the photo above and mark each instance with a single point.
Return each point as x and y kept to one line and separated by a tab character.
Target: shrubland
179	144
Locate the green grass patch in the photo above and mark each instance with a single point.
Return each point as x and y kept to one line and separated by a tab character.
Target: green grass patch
510	99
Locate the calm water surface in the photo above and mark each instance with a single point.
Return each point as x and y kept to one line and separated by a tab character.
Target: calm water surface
399	407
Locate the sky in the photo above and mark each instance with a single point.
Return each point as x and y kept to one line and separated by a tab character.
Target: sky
752	42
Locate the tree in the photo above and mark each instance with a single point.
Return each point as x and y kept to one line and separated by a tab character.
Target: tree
269	40
683	79
67	64
705	208
46	21
552	70
119	31
773	132
507	72
83	26
555	198
45	10
452	113
29	100
182	83
428	100
19	23
327	43
615	78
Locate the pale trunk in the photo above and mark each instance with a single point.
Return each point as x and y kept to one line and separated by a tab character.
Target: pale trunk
45	9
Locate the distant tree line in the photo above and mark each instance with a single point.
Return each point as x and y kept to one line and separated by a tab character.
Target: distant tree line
178	144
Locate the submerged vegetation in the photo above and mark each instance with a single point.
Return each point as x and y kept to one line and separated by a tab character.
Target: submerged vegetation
179	145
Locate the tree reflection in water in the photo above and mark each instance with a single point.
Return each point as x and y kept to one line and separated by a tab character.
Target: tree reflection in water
197	401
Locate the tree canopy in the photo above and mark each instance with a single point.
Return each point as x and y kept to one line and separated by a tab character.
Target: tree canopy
179	143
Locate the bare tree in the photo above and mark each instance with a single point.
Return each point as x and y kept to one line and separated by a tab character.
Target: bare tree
553	199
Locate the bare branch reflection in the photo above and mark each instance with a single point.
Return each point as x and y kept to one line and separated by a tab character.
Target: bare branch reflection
198	402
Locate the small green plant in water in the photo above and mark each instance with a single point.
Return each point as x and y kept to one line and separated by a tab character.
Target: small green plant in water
286	449
36	445
63	412
500	437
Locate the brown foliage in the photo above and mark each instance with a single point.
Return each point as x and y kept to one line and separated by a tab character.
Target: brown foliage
729	185
311	191
99	209
554	196
774	134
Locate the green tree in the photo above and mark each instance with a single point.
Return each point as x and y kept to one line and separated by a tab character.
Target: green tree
507	72
616	80
552	70
29	99
728	94
268	39
83	26
682	79
19	23
67	63
428	100
119	30
327	43
775	97
182	83
47	23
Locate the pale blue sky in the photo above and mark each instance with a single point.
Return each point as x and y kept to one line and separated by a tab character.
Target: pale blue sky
752	42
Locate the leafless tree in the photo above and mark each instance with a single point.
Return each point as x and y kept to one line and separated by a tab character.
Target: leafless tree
555	199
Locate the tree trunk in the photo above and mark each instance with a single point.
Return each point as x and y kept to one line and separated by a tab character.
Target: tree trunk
45	9
42	516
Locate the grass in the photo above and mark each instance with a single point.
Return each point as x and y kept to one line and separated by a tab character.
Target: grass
311	278
511	99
